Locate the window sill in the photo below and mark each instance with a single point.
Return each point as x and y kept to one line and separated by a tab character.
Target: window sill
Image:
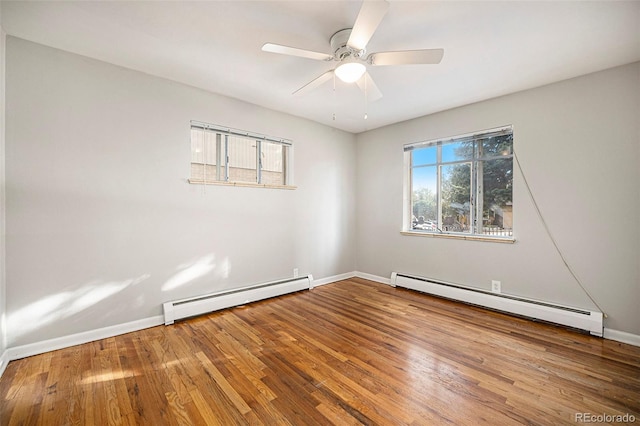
503	240
243	184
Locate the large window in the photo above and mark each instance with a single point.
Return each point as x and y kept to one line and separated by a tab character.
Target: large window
226	156
461	185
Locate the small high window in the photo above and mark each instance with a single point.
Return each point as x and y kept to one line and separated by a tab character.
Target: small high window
225	156
461	185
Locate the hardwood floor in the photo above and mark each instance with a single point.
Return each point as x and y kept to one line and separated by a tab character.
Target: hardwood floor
353	352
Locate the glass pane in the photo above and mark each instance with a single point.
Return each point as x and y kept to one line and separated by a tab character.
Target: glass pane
203	146
457	151
497	199
273	163
421	156
242	159
496	146
456	197
424	198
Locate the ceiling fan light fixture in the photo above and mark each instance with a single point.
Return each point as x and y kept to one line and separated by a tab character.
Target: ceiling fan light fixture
350	71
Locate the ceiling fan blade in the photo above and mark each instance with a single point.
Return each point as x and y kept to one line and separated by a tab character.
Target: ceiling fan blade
407	57
370	89
369	17
314	83
294	51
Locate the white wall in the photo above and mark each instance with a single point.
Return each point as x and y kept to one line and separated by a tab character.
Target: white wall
3	344
578	143
102	226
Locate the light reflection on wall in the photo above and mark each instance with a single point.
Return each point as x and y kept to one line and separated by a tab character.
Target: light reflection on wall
64	304
191	271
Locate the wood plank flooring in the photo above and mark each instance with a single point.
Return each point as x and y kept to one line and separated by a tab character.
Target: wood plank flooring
353	352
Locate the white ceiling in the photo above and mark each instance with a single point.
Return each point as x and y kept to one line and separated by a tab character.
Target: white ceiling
491	48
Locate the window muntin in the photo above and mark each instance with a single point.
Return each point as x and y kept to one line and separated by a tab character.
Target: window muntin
462	185
224	156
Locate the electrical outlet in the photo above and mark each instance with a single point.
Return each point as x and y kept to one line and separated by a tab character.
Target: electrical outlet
496	286
295	272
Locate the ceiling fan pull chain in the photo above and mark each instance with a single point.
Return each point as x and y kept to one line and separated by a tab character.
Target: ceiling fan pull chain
334	97
366	104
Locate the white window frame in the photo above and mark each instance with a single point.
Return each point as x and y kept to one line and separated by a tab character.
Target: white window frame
224	136
475	209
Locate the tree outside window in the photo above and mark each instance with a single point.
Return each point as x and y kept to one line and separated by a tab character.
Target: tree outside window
463	184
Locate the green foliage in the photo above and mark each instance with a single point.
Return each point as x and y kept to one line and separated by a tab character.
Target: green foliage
497	182
456	189
424	204
491	158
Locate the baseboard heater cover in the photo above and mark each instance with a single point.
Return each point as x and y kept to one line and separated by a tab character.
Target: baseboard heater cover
199	305
591	321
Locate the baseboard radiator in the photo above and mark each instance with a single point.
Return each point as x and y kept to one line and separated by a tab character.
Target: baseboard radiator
572	317
185	308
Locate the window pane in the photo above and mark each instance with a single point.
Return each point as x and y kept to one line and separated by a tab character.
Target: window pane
428	155
223	155
424	198
273	161
456	197
457	151
462	184
203	146
497	200
242	159
203	155
496	146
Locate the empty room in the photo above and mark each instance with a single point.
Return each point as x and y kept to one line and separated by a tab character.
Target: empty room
319	212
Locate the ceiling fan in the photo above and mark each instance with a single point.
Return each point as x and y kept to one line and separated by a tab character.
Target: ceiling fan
349	50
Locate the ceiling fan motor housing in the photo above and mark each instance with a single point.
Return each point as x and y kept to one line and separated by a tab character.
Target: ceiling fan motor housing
339	46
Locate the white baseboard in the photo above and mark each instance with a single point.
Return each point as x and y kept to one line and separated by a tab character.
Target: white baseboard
347	275
31	349
622	336
371	277
4	361
332	279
